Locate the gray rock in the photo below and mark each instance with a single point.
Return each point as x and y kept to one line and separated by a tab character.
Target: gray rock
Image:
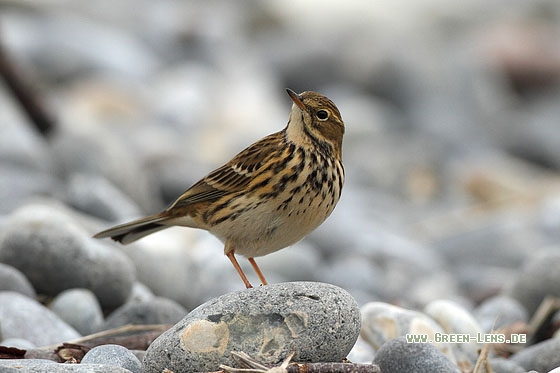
56	254
499	311
11	279
399	356
113	355
80	309
140	292
41	366
22	317
320	322
536	280
456	320
381	322
542	357
157	310
22	344
97	196
501	365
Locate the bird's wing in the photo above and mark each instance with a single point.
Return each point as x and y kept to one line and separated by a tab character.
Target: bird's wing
234	176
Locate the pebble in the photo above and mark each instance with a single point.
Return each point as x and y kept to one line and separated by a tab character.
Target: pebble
454	319
41	366
399	356
113	355
382	322
56	254
157	310
80	309
542	357
501	365
11	279
23	317
499	311
98	197
536	280
320	322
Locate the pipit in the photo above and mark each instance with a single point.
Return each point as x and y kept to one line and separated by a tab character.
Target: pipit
269	196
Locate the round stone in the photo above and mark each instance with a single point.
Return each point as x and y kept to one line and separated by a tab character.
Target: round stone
113	355
399	356
541	357
79	308
456	320
499	311
23	317
11	279
157	310
382	322
320	322
55	253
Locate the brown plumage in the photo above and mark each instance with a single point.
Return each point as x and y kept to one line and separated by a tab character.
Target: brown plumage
270	195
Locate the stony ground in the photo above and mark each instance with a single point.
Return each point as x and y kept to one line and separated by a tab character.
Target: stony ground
450	216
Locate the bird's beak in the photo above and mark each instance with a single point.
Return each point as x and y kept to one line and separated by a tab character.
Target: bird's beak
297	99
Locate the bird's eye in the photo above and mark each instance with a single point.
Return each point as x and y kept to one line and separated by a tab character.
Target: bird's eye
322	114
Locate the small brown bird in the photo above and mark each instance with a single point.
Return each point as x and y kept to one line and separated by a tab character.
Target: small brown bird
269	196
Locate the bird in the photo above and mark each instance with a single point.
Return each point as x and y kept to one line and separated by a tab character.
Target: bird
270	195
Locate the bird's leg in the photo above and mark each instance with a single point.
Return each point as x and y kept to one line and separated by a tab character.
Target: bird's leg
258	271
231	257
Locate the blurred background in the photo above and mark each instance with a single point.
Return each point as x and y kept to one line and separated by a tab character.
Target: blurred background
452	145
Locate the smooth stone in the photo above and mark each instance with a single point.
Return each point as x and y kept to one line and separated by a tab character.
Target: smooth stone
499	311
382	322
320	322
140	292
542	357
456	320
113	355
537	279
501	365
22	344
23	317
157	310
361	353
41	366
11	279
399	356
80	309
55	253
97	196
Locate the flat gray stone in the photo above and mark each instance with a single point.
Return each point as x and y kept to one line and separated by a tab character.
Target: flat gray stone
23	317
80	309
113	355
499	311
399	356
55	253
320	322
11	279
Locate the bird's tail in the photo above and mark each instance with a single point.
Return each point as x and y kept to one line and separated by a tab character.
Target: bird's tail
134	230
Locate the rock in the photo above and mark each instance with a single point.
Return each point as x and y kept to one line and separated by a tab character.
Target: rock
97	196
542	357
456	320
56	254
382	322
361	353
399	356
41	366
537	280
12	279
113	355
22	344
80	309
157	310
501	365
140	292
499	311
320	322
22	317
